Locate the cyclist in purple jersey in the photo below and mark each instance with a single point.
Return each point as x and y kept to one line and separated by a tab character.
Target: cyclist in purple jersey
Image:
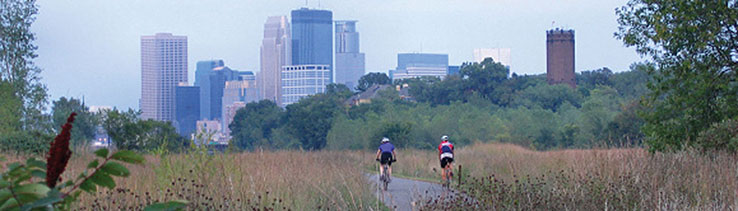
386	155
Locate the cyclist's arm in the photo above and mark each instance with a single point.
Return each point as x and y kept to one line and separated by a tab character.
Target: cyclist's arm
394	156
378	152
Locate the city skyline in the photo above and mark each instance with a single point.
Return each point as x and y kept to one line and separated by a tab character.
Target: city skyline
416	26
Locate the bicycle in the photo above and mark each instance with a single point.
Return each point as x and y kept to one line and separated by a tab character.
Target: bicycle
385	178
449	174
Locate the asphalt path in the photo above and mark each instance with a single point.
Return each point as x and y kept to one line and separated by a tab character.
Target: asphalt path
406	194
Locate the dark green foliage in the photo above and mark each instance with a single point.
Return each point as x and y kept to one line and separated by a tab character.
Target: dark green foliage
625	129
399	134
85	123
130	133
720	136
631	85
483	77
520	109
693	47
587	80
311	118
436	91
254	123
547	96
370	79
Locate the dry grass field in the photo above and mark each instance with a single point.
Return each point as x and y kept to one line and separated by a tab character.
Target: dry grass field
284	180
495	176
505	176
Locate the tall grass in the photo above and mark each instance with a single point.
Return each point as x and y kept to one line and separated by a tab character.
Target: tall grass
503	176
283	180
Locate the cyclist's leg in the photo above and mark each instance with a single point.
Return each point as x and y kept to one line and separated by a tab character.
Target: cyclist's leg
389	168
381	171
443	170
450	167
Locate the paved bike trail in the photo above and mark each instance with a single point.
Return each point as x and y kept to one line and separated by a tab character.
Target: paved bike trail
406	194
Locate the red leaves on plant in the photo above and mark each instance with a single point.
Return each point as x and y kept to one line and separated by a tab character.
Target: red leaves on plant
59	154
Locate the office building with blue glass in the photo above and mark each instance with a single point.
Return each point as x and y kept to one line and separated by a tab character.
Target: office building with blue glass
212	82
202	80
312	37
187	109
414	65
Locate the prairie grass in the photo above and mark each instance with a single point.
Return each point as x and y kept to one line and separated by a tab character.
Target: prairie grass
495	177
505	176
282	180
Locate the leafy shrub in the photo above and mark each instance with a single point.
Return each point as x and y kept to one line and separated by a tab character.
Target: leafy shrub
720	136
38	185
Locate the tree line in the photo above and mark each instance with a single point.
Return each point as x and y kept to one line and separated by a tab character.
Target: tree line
483	103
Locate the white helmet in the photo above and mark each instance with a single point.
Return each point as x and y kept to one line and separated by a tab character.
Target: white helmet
444	138
385	139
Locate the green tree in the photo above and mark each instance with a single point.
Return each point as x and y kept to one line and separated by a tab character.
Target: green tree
311	118
399	133
17	69
85	123
632	84
625	129
338	90
483	77
254	124
130	133
370	79
10	107
694	46
588	80
547	97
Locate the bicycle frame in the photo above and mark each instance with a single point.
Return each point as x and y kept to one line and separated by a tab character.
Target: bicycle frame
384	178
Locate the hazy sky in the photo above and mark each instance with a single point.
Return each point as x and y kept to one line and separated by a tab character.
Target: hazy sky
91	48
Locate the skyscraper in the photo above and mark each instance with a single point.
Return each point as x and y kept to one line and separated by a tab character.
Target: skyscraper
275	53
163	66
312	37
413	65
300	81
202	79
560	57
217	80
187	108
349	62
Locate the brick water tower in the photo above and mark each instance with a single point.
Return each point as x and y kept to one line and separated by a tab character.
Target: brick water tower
560	57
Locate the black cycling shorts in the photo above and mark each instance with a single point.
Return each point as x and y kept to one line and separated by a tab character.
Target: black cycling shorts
386	158
445	161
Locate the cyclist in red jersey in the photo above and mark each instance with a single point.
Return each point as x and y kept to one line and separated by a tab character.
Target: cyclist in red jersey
446	155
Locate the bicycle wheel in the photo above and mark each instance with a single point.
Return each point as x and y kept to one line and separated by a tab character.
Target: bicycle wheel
385	181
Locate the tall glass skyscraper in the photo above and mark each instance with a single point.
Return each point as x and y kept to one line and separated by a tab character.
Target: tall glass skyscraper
275	53
202	79
349	61
312	37
163	67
